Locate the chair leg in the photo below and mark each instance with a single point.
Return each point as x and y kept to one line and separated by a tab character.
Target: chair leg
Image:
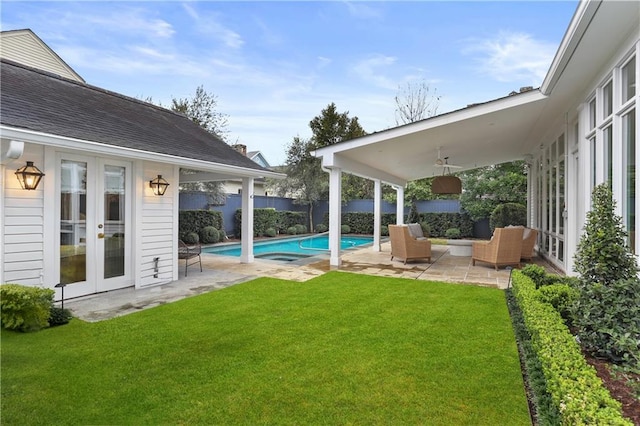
200	259
186	267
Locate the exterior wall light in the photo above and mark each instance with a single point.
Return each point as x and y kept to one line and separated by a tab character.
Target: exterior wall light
159	185
29	176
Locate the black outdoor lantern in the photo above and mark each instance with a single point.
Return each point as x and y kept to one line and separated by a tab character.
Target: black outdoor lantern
159	185
29	176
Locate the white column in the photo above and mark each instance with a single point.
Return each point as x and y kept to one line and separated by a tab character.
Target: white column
399	205
246	241
377	213
335	215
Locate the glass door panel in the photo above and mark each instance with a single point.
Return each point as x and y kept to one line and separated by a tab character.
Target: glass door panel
73	225
114	220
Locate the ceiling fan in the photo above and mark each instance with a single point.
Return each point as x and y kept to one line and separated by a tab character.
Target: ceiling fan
444	162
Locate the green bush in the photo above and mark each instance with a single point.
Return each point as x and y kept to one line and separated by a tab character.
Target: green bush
191	238
196	220
607	313
384	230
321	227
560	296
270	232
300	229
575	389
25	308
59	316
269	218
426	229
436	223
508	214
537	274
292	230
345	229
209	235
452	233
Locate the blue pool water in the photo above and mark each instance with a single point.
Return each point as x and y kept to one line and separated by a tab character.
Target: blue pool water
291	248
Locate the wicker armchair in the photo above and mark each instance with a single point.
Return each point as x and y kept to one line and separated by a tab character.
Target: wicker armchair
505	248
528	243
406	247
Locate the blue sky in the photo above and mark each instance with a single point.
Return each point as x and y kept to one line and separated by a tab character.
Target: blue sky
275	65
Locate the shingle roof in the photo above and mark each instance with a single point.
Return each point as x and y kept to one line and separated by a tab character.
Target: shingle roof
39	101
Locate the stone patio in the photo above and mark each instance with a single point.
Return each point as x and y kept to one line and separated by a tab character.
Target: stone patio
223	271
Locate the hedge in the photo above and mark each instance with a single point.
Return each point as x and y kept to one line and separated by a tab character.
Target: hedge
196	220
362	222
265	218
574	386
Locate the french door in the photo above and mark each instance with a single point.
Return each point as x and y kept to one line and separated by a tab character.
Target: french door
94	218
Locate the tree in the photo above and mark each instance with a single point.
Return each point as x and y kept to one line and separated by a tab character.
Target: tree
487	187
415	102
201	109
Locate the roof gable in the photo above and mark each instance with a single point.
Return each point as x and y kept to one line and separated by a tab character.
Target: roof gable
25	47
38	101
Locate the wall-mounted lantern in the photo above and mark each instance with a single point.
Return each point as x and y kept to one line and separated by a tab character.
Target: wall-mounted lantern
159	185
29	176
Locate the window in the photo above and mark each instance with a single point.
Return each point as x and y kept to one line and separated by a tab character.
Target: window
607	100
607	136
629	80
629	184
592	114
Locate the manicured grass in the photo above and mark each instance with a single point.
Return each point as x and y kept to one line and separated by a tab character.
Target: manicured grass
339	349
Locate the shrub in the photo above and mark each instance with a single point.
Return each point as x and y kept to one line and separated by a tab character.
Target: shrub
301	229
575	389
191	238
413	217
345	229
508	214
537	274
560	296
607	313
25	308
384	230
452	233
59	316
426	229
270	232
292	230
195	220
209	235
321	227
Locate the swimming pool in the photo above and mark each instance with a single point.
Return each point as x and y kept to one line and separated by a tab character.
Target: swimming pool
291	249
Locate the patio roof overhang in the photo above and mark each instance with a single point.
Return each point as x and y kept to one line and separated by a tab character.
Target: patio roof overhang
479	135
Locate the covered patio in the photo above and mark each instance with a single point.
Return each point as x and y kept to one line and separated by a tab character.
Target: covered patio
224	271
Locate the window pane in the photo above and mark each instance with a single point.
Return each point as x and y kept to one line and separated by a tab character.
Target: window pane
592	144
607	136
629	80
73	209
592	114
629	140
607	100
114	226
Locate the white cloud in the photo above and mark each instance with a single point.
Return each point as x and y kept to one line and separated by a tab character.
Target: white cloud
209	24
369	71
513	57
362	10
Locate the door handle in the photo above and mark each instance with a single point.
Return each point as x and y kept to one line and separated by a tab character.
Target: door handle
100	235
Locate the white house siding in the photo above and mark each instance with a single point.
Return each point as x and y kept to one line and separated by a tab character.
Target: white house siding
24	47
156	227
21	239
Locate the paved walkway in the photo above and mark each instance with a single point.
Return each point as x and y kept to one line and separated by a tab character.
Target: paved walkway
223	271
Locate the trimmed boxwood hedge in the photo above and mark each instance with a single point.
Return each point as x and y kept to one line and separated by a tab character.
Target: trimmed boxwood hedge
265	218
362	222
196	220
574	386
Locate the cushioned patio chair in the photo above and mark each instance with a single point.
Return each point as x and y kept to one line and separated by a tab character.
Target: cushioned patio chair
504	249
189	252
406	247
529	238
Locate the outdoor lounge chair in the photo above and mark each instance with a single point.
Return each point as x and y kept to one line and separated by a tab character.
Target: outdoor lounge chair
529	238
189	252
504	248
406	247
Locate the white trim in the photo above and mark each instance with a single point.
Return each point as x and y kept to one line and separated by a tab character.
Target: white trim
98	148
335	215
377	214
246	241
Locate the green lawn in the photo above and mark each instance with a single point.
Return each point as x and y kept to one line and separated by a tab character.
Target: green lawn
339	349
